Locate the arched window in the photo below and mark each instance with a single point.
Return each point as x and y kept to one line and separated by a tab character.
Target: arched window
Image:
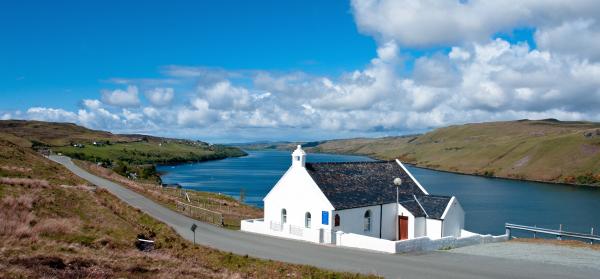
367	224
283	216
307	220
336	220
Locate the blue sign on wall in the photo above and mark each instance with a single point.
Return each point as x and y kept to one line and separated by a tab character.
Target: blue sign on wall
325	218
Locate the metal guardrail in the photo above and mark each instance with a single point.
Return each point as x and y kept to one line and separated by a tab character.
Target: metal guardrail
558	233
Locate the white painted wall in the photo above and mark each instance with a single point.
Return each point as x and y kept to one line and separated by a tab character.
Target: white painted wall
420	227
434	228
448	242
352	220
454	219
366	242
286	231
297	193
388	228
416	244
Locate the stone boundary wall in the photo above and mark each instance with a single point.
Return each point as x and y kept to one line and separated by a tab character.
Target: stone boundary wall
445	243
414	245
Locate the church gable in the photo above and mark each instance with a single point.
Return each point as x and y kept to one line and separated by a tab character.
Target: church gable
296	185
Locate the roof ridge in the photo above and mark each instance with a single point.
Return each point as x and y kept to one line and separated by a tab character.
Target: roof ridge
437	196
420	205
350	162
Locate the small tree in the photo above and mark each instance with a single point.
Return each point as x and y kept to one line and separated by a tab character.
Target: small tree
121	168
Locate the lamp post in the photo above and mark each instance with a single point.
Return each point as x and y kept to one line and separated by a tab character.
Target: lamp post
397	182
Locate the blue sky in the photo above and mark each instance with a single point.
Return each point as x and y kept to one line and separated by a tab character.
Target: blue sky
70	48
265	70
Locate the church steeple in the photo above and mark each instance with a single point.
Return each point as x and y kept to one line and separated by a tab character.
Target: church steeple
298	157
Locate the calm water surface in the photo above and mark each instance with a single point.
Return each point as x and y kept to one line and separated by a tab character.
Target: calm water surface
488	203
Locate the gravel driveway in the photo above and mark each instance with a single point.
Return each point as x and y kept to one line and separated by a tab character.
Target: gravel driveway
544	253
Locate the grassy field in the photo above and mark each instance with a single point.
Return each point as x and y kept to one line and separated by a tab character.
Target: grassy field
55	225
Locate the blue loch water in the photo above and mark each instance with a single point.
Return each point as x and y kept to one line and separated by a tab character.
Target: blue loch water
488	202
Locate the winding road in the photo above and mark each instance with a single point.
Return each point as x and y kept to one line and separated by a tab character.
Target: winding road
427	265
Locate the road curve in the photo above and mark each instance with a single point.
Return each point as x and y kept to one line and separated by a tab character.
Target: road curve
427	265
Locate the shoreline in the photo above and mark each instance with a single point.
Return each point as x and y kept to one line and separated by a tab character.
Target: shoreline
470	174
416	166
506	178
183	162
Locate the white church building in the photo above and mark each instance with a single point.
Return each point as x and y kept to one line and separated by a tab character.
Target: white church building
371	204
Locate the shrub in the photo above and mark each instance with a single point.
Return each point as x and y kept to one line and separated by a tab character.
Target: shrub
16	216
55	226
587	179
148	172
489	173
24	182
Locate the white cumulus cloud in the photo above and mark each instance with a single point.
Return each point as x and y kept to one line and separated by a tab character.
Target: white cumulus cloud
160	96
122	98
424	23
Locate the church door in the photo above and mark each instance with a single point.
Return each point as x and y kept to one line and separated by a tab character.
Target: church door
402	227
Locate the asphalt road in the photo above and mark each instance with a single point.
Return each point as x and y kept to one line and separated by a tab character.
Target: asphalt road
428	265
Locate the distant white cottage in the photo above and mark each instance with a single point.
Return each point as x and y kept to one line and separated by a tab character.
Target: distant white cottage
328	202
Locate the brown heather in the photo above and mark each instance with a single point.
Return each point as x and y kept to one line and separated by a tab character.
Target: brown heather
24	182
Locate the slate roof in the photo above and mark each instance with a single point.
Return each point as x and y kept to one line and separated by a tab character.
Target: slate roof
434	205
360	184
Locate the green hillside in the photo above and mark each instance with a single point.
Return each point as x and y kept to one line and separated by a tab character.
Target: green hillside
544	150
59	134
129	155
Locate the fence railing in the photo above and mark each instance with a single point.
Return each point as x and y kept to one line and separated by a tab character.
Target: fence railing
205	203
295	230
201	214
276	226
558	233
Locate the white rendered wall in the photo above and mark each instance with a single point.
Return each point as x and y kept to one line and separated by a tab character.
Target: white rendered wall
454	219
390	220
366	242
433	228
352	220
298	194
448	242
420	227
260	227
